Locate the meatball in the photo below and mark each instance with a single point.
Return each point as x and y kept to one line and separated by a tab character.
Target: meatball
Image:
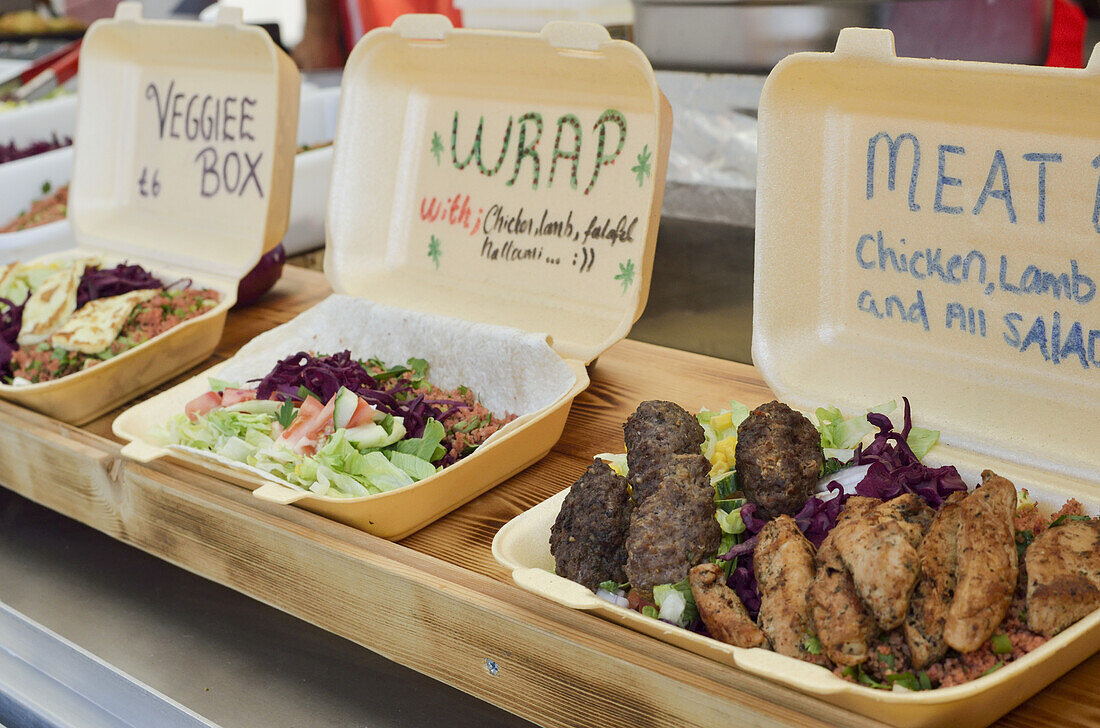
673	529
588	538
779	459
654	433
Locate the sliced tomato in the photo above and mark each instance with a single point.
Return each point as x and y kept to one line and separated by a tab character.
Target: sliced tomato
202	404
232	395
363	414
312	425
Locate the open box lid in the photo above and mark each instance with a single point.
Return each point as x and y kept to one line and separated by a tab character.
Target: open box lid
930	228
185	141
509	178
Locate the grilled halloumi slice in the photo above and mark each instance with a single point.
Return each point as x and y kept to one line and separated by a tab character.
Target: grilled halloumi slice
97	324
50	305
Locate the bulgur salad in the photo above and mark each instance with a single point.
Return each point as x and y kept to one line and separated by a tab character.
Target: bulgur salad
336	425
61	317
831	543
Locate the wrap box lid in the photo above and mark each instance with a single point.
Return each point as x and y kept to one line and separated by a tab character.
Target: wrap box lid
502	178
183	163
510	178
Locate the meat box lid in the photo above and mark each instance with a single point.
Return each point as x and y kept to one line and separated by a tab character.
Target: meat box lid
508	178
185	141
930	228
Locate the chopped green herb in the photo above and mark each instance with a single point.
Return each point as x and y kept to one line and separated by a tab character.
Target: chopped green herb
924	680
1068	517
613	586
463	390
1002	645
1023	540
285	415
812	644
993	669
886	658
46	187
831	466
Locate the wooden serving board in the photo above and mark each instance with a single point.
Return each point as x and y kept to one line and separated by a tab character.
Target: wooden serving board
461	619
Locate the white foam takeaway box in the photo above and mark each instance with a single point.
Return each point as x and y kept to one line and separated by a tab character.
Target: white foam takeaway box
187	137
931	229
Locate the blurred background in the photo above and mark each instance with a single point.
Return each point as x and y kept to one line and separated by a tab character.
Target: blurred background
711	58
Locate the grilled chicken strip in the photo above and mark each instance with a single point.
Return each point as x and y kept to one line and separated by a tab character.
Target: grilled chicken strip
927	613
1063	576
784	564
843	624
987	564
880	552
720	609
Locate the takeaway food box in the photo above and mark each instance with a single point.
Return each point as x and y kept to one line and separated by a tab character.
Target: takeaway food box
195	186
924	228
493	210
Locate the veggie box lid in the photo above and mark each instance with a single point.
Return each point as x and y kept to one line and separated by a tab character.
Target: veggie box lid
510	178
185	141
930	228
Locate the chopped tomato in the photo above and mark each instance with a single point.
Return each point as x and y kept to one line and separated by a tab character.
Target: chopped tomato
202	404
363	415
312	425
232	395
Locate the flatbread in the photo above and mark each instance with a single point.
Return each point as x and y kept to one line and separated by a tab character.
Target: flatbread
50	305
97	324
7	275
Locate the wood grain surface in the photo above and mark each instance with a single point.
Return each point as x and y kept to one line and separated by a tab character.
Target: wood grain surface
461	621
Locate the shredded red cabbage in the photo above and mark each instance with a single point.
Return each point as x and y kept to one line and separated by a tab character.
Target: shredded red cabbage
815	520
895	469
11	151
101	283
324	375
11	320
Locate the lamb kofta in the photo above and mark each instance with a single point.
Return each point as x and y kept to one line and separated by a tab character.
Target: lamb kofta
673	529
779	459
588	539
655	432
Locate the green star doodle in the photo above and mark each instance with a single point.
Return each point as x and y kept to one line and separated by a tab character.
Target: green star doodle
434	252
626	275
643	168
437	147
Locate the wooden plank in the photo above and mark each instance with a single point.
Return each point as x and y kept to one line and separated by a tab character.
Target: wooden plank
458	609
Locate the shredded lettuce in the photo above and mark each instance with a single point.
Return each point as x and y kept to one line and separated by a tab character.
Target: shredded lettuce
840	435
616	461
676	603
720	425
731	522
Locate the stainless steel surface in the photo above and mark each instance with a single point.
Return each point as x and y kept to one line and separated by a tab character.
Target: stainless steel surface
230	659
739	36
46	680
754	35
700	298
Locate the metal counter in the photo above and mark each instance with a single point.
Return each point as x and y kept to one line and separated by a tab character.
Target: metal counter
230	659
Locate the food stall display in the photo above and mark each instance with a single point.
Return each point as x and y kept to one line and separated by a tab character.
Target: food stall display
919	232
514	248
193	199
